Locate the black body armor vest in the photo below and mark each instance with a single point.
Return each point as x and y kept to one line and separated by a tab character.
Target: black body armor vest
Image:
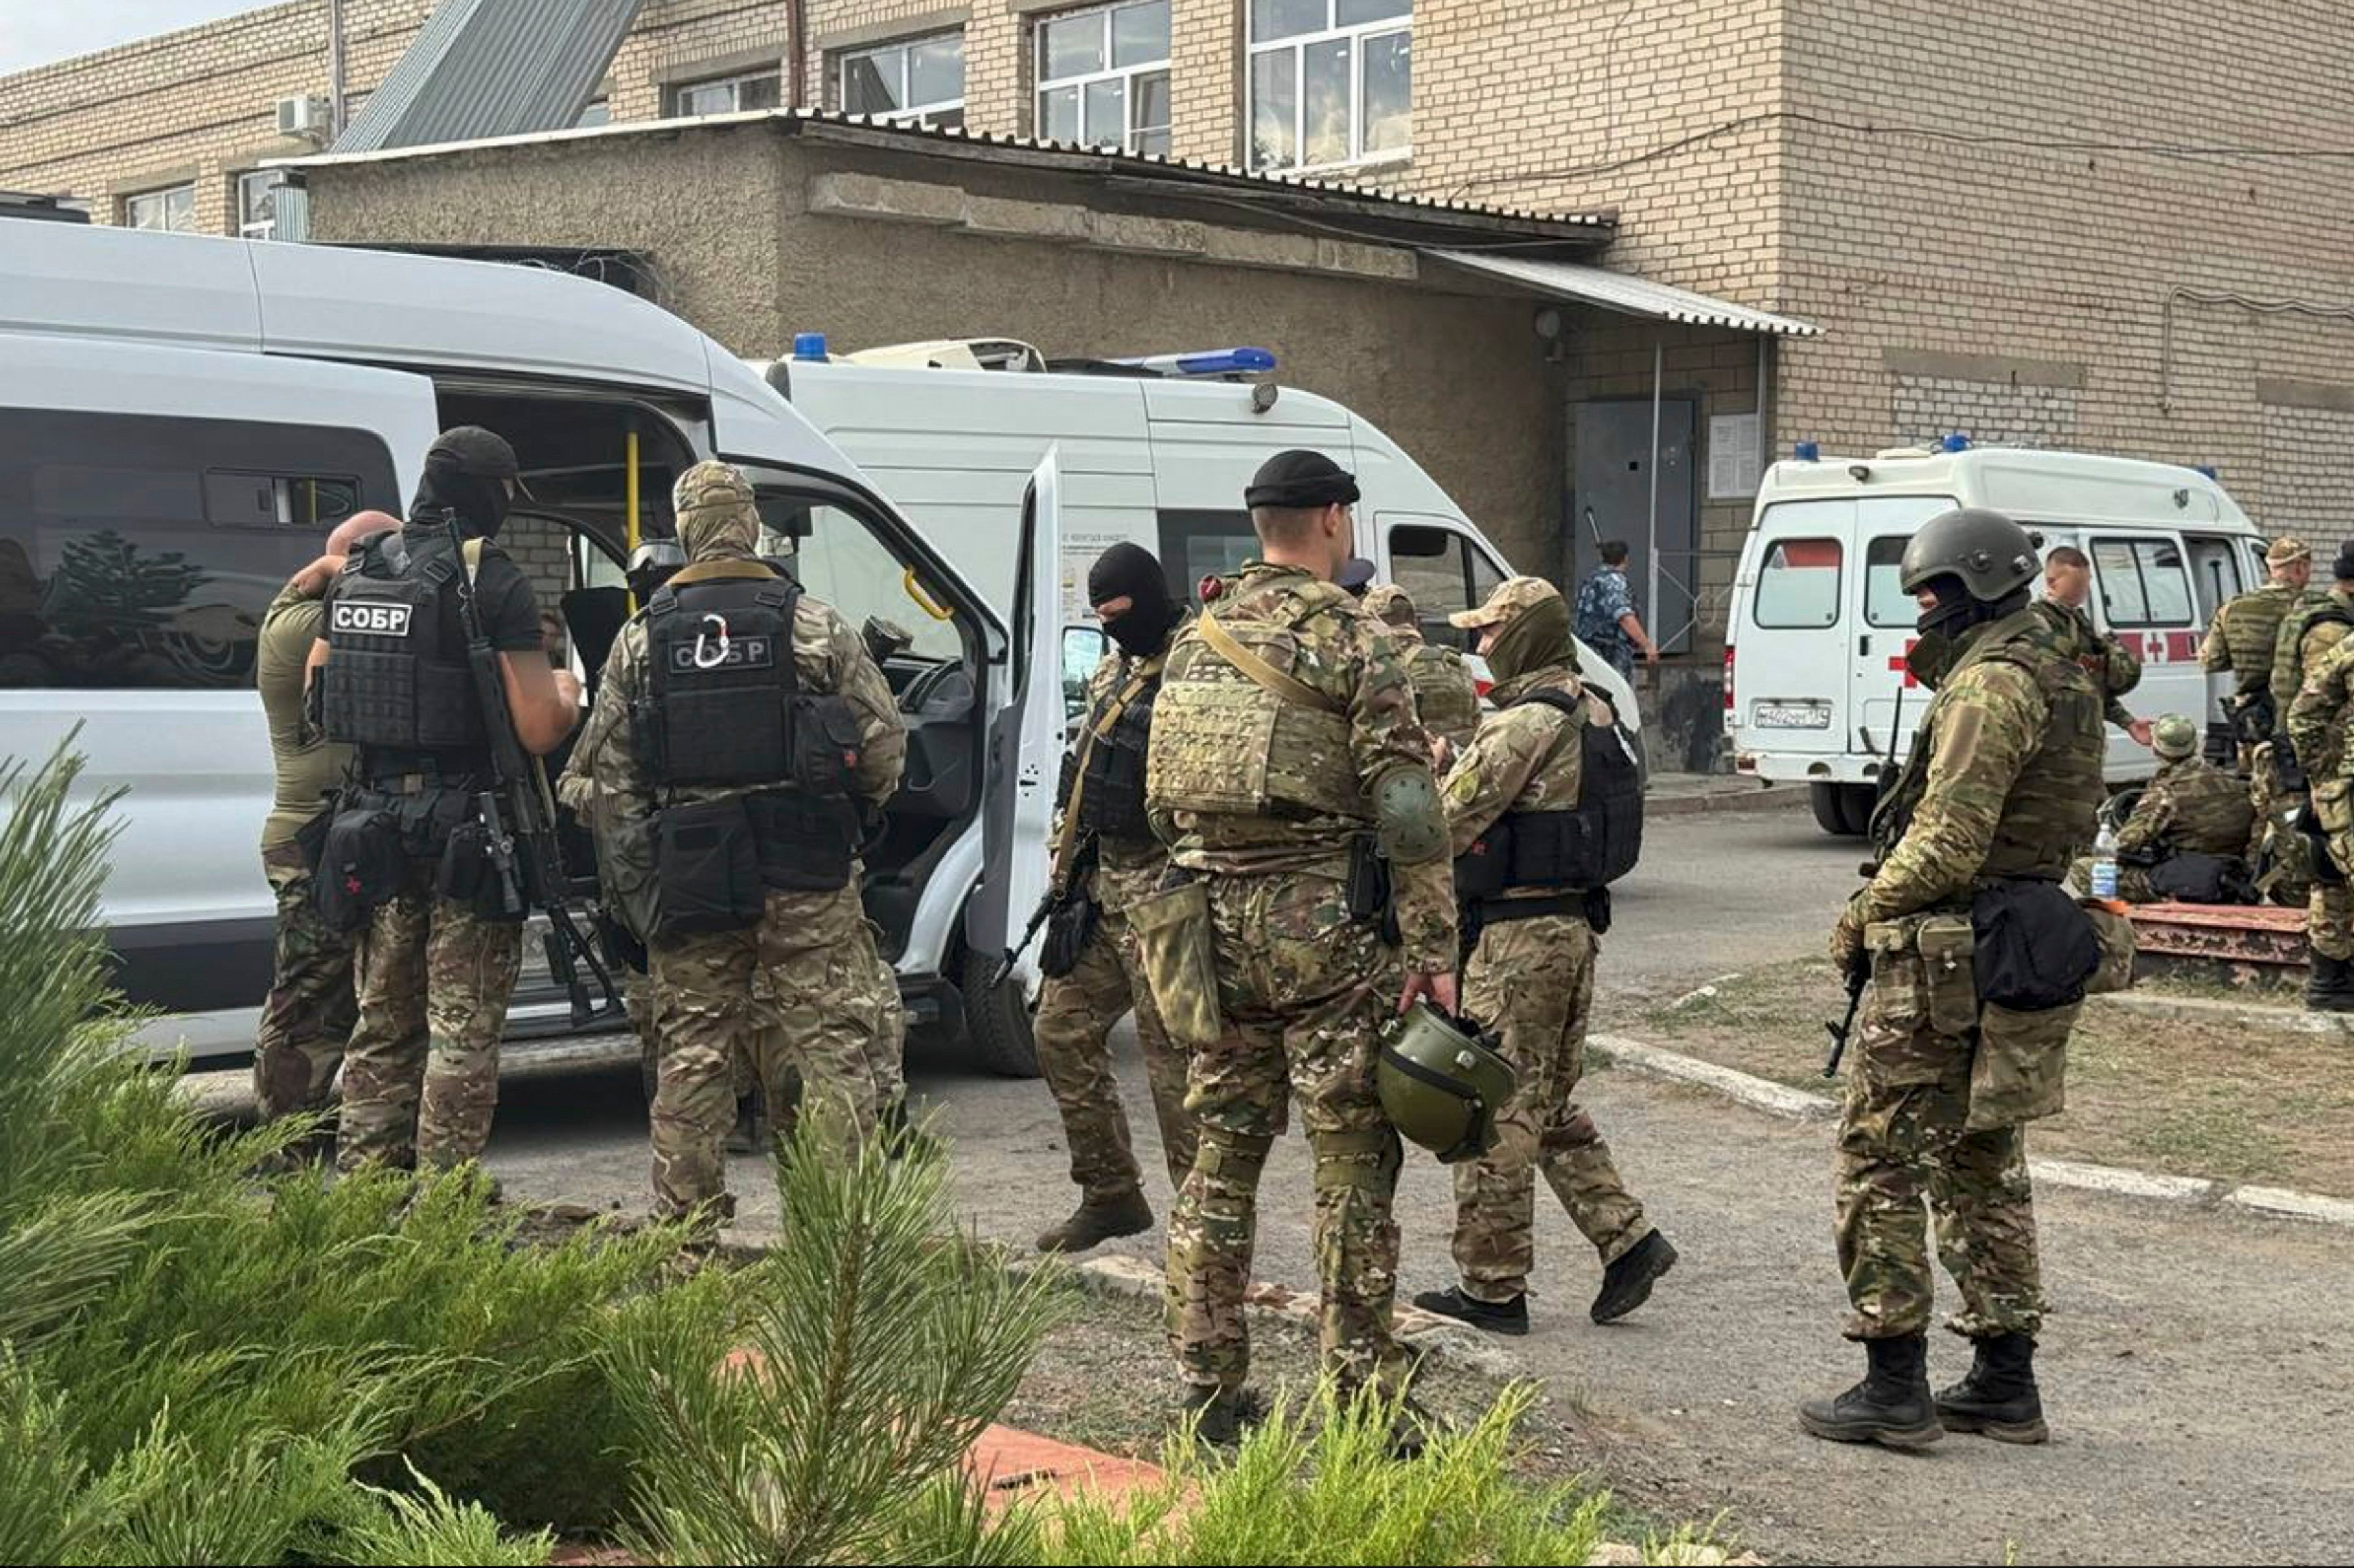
723	681
396	683
1112	801
1590	845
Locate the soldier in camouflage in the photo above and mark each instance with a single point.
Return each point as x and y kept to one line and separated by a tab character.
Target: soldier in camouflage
312	1006
2190	807
1285	743
1530	980
2244	640
1444	692
718	742
1117	861
2317	730
438	959
2068	586
2002	786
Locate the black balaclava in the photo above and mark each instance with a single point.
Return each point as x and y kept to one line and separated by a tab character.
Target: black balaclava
480	502
1946	627
1132	570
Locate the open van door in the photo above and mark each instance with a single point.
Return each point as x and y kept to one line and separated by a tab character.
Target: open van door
1025	743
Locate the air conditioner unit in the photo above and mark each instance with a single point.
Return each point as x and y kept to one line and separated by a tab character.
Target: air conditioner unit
305	117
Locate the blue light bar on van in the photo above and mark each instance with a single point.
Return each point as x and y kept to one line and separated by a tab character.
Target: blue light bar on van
809	345
1810	452
2206	468
1956	442
1207	361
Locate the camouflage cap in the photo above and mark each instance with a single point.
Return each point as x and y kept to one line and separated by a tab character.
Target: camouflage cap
2289	547
1390	605
2173	738
1512	596
716	509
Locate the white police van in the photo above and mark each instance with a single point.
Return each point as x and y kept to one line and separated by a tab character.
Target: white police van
1155	451
1814	686
184	418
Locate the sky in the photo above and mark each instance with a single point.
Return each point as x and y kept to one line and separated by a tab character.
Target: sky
35	32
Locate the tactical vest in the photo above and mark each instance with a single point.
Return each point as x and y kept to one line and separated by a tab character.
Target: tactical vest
1444	693
1589	845
720	658
2289	662
1111	800
397	682
1249	739
2251	632
2048	814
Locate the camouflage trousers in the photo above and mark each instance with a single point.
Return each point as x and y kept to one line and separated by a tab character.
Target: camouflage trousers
830	1002
312	1006
421	1075
1304	990
1532	982
1904	1138
1076	1015
2329	919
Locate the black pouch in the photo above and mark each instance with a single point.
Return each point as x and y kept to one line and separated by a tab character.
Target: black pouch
1368	891
311	839
2034	948
467	875
825	745
1485	869
361	866
1068	930
2192	878
707	868
803	844
1598	910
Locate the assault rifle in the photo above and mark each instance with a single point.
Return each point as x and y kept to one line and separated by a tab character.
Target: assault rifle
518	818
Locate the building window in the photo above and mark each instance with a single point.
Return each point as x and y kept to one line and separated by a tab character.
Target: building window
173	207
1331	82
1103	77
916	81
597	112
723	95
257	203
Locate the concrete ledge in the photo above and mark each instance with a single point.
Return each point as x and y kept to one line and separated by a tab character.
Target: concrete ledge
1745	1088
1746	797
2279	1203
2204	1010
2120	1182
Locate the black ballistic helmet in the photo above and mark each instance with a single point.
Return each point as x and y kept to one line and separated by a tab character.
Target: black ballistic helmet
1993	555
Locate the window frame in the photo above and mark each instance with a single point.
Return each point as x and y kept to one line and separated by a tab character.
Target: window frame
1470	559
273	180
2134	544
1126	75
127	205
674	95
907	114
1778	545
1357	35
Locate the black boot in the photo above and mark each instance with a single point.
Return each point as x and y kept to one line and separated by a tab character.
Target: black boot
1999	1398
1626	1283
1495	1317
1098	1219
1890	1406
2329	987
1221	1416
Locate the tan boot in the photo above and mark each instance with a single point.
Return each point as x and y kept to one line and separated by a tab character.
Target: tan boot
1098	1219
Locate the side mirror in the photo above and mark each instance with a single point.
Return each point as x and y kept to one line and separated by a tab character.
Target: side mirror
1083	649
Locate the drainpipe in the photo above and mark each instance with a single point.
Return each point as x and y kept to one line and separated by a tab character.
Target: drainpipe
335	70
796	67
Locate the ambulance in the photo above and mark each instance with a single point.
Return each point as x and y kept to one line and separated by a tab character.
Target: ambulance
1815	689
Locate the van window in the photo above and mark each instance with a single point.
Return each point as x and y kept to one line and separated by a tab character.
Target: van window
2214	575
838	559
1885	603
1443	573
1196	544
138	552
1798	586
2142	582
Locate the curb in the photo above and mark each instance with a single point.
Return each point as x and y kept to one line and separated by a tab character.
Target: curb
1763	798
2204	1010
1755	1093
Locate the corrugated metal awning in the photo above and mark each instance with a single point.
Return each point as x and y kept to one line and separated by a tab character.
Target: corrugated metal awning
493	67
1627	295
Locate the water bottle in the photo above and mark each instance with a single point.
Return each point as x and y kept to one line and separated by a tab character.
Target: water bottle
2104	863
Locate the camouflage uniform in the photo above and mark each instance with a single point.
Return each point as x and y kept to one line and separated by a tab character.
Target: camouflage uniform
2317	726
1076	1012
833	1003
1264	796
2189	807
2244	636
313	1004
2003	782
1533	981
2113	667
1444	691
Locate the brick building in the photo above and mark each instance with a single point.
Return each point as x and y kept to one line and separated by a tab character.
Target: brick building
2104	224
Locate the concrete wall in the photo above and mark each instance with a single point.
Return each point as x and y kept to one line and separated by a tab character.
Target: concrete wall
1457	379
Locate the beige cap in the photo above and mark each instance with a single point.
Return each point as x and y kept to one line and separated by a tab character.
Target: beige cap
1389	605
2286	548
1512	595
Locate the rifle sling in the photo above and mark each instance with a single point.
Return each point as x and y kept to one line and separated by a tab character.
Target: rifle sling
1068	838
1290	689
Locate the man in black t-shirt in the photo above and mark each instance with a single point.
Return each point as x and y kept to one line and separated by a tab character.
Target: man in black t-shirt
439	959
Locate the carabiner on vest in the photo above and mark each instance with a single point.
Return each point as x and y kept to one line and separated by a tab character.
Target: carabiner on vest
717	657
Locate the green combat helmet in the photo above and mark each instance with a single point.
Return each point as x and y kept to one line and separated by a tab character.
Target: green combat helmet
2173	738
1440	1085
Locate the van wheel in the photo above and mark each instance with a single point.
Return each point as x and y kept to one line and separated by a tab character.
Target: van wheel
997	1020
1842	811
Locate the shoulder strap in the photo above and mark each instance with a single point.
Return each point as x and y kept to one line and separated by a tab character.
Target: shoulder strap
1298	692
1067	838
473	552
1555	698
